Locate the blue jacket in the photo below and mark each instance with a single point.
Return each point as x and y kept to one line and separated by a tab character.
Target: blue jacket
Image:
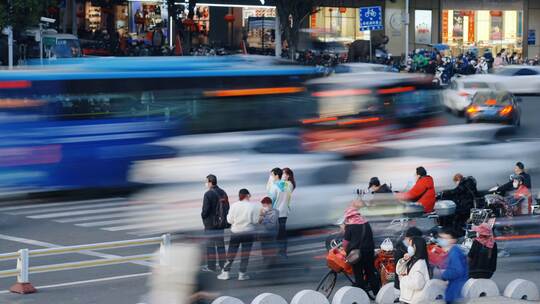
456	274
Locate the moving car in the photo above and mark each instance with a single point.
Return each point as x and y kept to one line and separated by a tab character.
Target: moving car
497	106
519	79
459	95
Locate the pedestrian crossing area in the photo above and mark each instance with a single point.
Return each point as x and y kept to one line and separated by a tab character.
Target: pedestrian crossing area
118	214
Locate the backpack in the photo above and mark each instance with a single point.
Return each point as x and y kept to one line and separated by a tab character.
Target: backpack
222	209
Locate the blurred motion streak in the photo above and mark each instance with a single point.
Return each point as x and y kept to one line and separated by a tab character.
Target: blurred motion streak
337	93
15	84
251	92
21	156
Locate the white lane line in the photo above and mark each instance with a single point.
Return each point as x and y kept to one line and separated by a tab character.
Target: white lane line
68	203
50	245
104	210
191	226
144	225
89	206
129	276
134	219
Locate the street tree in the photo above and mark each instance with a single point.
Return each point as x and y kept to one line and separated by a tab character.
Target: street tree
21	14
292	15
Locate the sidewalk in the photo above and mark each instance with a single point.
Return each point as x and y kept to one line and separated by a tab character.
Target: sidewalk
492	300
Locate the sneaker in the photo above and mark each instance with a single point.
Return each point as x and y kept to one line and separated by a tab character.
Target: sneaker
224	276
207	269
242	276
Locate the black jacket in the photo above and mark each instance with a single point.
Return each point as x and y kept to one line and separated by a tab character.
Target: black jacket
210	203
463	195
383	189
482	262
508	186
359	236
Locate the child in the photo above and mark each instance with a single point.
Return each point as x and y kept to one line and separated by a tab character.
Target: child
268	220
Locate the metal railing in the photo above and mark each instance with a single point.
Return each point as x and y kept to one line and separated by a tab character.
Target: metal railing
23	256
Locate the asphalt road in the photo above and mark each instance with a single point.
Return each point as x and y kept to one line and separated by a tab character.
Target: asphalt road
35	225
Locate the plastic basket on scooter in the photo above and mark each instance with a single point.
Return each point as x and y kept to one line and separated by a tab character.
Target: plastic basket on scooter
336	260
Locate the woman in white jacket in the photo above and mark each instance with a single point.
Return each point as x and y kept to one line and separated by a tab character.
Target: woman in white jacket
413	271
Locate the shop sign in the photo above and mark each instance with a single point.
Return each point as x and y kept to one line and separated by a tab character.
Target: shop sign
457	31
422	26
445	26
371	18
496	25
531	38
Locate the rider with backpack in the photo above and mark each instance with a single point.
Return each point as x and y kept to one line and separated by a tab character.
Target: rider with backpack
214	216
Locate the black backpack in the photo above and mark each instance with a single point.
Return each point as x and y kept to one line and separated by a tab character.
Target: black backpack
222	209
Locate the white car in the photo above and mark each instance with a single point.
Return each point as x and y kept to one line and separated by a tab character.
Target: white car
458	96
518	79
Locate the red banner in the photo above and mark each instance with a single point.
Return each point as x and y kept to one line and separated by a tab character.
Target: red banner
445	26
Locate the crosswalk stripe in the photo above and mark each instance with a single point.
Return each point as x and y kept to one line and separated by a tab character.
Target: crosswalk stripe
97	211
70	203
144	225
90	206
133	219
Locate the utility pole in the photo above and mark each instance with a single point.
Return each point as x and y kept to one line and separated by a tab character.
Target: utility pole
9	33
406	23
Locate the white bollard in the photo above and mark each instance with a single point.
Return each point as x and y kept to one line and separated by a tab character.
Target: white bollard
269	298
522	290
350	295
387	294
309	297
23	286
479	288
227	300
433	291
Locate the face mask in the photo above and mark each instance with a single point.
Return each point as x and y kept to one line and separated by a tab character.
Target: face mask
516	185
405	243
410	251
443	243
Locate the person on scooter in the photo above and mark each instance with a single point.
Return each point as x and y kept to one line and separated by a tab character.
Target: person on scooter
483	254
400	249
522	195
376	187
519	169
358	235
422	192
463	195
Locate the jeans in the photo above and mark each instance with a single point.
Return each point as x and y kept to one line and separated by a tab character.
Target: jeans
239	239
365	268
282	236
268	246
215	248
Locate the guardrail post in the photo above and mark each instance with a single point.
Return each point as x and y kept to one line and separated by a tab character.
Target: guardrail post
164	248
22	286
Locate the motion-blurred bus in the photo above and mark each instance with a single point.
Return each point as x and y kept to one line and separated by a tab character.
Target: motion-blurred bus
81	124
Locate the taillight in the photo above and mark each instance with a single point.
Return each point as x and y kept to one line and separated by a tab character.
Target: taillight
472	109
506	110
464	94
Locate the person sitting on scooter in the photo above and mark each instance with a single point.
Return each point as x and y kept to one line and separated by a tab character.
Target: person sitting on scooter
483	254
376	187
519	169
422	192
358	235
521	195
463	195
400	249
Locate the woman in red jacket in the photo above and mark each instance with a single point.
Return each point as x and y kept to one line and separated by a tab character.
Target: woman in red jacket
422	192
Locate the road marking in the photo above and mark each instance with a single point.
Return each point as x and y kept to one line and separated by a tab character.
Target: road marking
89	206
129	276
144	225
83	252
104	210
133	219
69	203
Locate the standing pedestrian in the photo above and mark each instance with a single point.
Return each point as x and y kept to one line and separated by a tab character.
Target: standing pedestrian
402	247
483	253
358	235
280	191
268	219
243	217
214	215
456	272
413	270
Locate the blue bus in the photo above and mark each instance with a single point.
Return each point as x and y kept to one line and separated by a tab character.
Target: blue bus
76	124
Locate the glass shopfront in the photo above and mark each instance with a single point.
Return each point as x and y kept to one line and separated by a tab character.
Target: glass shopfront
495	30
341	21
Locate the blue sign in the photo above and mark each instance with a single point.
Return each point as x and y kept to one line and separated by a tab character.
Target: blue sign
531	39
371	18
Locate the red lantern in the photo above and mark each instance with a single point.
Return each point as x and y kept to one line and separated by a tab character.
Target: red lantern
229	18
343	10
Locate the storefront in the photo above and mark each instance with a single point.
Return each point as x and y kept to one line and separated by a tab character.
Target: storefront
92	19
340	24
146	16
259	26
483	25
